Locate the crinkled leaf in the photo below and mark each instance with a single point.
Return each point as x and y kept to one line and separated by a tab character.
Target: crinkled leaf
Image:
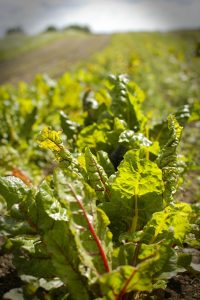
132	139
160	131
168	154
124	105
40	211
171	224
136	193
97	176
137	176
13	190
167	159
51	140
166	266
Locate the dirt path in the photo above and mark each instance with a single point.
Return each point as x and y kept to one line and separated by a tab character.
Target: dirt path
53	59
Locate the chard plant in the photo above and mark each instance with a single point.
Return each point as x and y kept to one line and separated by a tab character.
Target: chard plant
105	225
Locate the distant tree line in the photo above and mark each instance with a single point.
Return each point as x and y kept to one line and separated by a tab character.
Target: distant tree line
76	27
15	30
50	28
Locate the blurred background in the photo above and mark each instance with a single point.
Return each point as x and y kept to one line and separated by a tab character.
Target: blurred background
51	36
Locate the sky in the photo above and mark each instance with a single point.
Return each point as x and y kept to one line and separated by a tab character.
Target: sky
100	15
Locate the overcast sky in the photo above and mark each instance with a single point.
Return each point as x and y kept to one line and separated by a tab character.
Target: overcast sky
100	15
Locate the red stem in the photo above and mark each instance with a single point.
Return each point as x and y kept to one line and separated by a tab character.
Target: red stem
92	230
123	290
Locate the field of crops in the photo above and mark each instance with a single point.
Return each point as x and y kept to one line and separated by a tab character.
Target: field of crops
100	168
22	57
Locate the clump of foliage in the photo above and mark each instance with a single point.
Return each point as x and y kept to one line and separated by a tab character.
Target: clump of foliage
14	30
51	28
77	27
105	223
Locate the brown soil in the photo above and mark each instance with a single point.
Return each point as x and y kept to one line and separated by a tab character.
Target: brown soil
185	286
53	59
8	275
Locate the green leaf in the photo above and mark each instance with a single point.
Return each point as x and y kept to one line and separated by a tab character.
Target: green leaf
160	131
136	193
13	227
126	102
167	159
51	140
40	209
97	177
158	262
118	127
28	123
31	257
195	111
69	127
14	294
171	224
105	162
94	137
168	154
47	208
166	264
33	284
88	224
65	258
13	190
124	254
128	139
133	140
93	109
51	219
113	283
126	279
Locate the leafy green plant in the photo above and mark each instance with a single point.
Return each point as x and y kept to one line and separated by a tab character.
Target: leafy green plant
105	222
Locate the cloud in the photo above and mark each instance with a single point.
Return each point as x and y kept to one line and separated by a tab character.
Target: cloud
104	15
